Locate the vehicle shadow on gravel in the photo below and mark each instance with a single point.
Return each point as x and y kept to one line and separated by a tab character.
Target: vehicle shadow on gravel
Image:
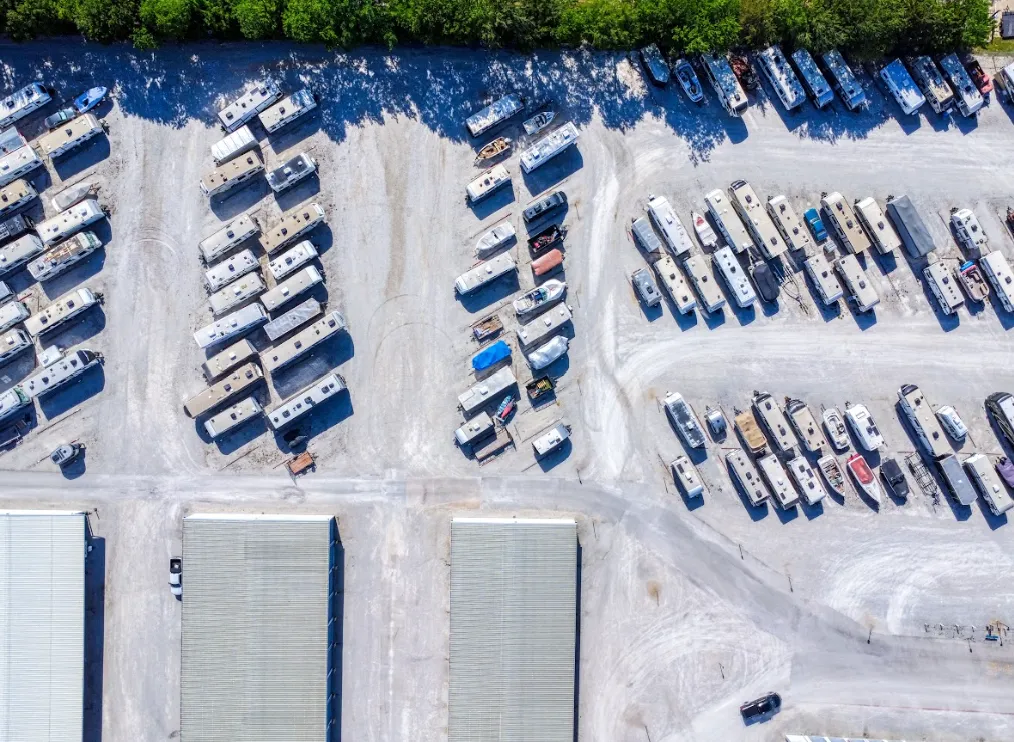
94	635
67	398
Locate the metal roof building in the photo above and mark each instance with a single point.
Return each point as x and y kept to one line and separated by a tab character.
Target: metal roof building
513	633
259	631
42	595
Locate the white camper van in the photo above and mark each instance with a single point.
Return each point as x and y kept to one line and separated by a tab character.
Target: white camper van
735	277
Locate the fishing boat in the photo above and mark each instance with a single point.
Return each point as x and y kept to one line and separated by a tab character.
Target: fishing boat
704	231
540	297
487	328
833	474
494	239
973	282
494	149
545	239
835	427
688	80
538	122
862	475
89	99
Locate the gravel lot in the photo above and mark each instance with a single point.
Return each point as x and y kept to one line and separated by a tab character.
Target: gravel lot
686	611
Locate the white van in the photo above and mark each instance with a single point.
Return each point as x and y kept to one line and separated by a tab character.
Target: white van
880	230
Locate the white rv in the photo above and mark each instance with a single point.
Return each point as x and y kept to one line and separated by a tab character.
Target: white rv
231	325
293	319
990	487
999	273
704	283
292	259
763	230
15	195
293	225
778	481
17	164
232	174
233	234
11	313
549	147
943	286
216	395
881	232
492	115
745	476
221	275
480	394
491	180
645	237
64	256
723	80
969	232
728	223
13	343
249	104
923	421
287	110
228	359
22	102
789	225
293	286
807	480
242	290
69	222
19	252
303	341
815	82
544	326
674	234
228	420
823	278
858	283
967	96
783	80
933	85
240	141
844	223
901	85
61	372
726	264
774	422
484	273
293	171
69	136
844	81
675	285
305	400
60	311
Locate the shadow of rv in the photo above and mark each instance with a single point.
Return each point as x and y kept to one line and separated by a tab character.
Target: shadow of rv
78	160
94	634
65	398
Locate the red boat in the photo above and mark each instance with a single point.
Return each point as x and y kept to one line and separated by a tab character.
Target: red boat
862	475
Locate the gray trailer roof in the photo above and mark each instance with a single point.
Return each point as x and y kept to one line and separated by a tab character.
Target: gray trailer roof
911	228
957	480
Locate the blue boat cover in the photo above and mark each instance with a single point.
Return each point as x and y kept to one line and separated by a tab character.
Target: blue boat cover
491	355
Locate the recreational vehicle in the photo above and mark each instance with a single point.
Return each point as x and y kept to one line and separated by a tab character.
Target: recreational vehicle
249	105
228	420
15	227
674	234
861	291
216	395
13	400
11	313
880	231
745	476
232	174
240	141
61	372
292	259
933	85
551	439
19	252
293	286
844	223
287	110
778	481
901	85
999	273
968	98
684	419
863	427
490	388
15	195
22	102
299	168
762	229
645	237
911	227
232	235
242	290
69	222
305	400
923	421
969	232
789	225
228	359
303	341
990	487
957	483
293	319
805	425
806	480
484	273
549	147
815	82
704	284
544	326
844	80
69	136
727	265
60	311
227	271
686	477
64	256
231	325
728	223
17	164
723	80
491	180
943	286
670	278
293	225
783	80
474	430
494	114
1000	406
774	422
12	343
823	278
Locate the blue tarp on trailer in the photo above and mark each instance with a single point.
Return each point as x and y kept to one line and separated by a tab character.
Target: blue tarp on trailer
491	356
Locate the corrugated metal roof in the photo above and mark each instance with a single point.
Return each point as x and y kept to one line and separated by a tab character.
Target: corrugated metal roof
513	630
255	628
41	626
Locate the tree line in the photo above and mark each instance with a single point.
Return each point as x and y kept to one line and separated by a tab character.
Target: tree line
868	29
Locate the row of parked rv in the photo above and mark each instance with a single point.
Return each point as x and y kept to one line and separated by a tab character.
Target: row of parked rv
245	295
779	437
945	84
49	247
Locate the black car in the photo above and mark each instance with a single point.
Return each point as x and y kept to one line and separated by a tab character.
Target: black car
995	404
545	205
764	706
895	477
767	284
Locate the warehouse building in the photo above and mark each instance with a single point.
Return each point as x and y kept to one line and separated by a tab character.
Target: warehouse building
42	615
513	648
261	630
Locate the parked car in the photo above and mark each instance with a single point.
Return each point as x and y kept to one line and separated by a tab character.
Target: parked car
66	453
544	206
176	576
816	224
767	284
645	287
895	477
952	423
1005	468
766	705
59	118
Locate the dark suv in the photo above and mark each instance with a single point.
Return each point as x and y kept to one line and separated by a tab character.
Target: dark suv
895	477
763	707
545	205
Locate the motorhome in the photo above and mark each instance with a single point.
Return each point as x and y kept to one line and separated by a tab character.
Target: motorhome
494	114
671	279
228	359
968	98
487	390
750	432
923	421
971	236
844	81
328	326
242	290
751	210
942	284
982	473
844	223
544	326
861	291
957	482
229	419
22	102
67	223
1000	406
645	237
999	274
485	272
60	372
238	382
231	325
727	265
487	183
17	164
704	284
12	400
61	311
305	400
549	147
13	343
745	476
933	85
728	223
5	293
15	227
287	110
901	85
64	256
778	481
773	420
14	195
299	168
11	313
69	136
11	139
686	477
249	104
878	228
293	225
240	141
789	225
805	425
293	319
823	278
780	75
806	480
723	80
550	439
19	252
292	259
298	283
474	430
815	82
863	427
674	234
232	174
221	275
232	235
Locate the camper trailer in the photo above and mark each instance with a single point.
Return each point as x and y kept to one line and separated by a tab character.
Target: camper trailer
944	287
670	278
844	223
64	256
969	232
69	136
911	227
293	319
728	223
13	343
305	400
723	80
704	283
823	278
231	236
901	85
226	360
844	81
329	326
252	102
240	291
999	274
221	275
751	210
230	419
789	225
231	325
968	98
18	164
15	195
745	476
807	481
238	382
805	425
292	259
778	481
61	311
923	421
295	285
674	234
933	85
860	289
551	145
645	237
11	313
69	222
61	372
727	265
957	482
232	174
240	141
484	273
293	171
12	400
818	87
287	110
774	422
782	79
982	473
880	231
22	102
487	390
544	326
490	181
19	252
685	475
293	225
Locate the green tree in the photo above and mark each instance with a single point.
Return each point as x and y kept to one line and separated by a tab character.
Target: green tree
707	26
257	19
168	19
604	24
26	19
100	20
